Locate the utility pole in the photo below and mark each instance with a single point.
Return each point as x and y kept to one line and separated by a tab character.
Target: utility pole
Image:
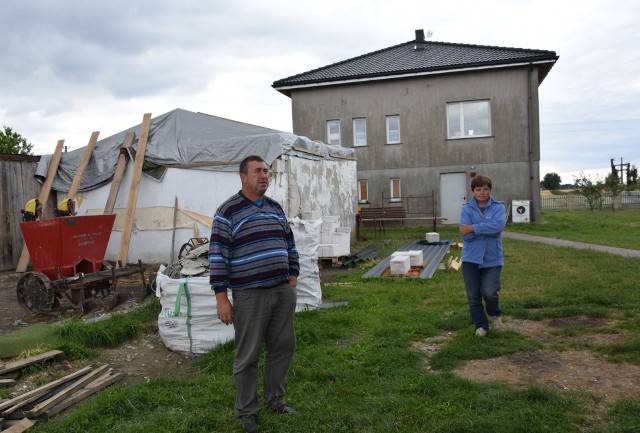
614	169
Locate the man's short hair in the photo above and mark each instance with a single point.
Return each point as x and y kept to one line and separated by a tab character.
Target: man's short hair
479	181
245	162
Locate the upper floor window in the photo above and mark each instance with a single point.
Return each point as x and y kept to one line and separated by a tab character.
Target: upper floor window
333	132
393	129
359	132
469	119
396	193
363	191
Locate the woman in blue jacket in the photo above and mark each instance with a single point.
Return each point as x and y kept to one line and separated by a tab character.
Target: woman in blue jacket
482	220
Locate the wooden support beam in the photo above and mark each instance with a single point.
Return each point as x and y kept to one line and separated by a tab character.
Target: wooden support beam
173	235
23	262
86	156
133	190
119	173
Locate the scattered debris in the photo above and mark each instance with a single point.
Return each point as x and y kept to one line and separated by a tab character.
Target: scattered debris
23	411
194	263
454	264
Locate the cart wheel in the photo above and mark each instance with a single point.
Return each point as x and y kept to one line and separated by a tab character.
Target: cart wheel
34	291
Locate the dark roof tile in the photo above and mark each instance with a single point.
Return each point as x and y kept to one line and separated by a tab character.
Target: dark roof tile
404	59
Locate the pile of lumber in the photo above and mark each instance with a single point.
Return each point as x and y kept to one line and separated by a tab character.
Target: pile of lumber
21	412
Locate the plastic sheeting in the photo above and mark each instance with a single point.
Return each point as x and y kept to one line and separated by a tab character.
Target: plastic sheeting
190	140
307	236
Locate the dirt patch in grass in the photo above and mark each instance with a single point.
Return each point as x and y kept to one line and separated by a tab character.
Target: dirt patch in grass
566	370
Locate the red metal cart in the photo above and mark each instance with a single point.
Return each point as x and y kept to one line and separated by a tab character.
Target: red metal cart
67	255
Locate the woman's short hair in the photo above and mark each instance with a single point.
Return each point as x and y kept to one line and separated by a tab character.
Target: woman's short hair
479	181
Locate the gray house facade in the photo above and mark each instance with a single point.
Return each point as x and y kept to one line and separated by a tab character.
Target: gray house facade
424	117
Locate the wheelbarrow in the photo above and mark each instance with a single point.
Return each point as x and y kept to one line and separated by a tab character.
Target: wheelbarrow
67	255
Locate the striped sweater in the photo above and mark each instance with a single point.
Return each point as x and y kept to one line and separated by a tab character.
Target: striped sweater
251	246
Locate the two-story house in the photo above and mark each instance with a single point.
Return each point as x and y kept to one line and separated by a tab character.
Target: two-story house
426	116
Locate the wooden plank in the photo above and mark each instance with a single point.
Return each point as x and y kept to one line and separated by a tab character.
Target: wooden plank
86	156
119	173
173	235
133	190
80	383
44	198
7	381
455	265
92	388
16	365
30	396
20	426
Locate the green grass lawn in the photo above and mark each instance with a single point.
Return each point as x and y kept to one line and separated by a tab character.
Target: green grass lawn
616	229
355	371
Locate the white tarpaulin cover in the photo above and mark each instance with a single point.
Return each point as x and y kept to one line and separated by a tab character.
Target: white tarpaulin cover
185	139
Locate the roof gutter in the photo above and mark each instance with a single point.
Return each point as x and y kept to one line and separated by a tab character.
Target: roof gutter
284	89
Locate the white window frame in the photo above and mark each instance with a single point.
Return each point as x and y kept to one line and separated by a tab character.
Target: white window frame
359	138
390	139
366	187
393	197
333	137
464	128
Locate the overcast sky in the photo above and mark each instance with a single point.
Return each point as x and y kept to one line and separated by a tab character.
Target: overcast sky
70	67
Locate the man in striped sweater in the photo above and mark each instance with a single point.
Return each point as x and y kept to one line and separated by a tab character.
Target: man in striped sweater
253	253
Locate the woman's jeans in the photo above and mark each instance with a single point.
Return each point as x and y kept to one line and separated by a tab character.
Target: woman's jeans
482	283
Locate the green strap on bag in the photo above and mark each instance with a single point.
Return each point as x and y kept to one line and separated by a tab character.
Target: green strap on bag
184	287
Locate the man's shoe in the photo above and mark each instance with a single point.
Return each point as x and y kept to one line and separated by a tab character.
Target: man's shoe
285	410
481	332
249	423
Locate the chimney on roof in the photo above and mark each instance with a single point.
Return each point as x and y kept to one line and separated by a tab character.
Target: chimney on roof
421	44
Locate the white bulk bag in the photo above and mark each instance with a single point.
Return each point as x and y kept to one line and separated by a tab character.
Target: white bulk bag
188	322
307	237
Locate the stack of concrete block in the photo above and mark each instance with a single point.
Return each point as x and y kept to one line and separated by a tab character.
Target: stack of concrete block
335	241
402	261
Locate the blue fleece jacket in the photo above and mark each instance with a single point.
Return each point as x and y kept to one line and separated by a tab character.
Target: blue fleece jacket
484	245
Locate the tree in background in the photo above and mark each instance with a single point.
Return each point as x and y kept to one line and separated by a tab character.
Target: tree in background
613	187
632	176
551	181
12	142
590	190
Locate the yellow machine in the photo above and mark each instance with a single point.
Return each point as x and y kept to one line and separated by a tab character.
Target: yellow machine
66	207
32	210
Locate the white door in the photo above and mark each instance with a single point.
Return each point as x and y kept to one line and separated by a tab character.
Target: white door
453	193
